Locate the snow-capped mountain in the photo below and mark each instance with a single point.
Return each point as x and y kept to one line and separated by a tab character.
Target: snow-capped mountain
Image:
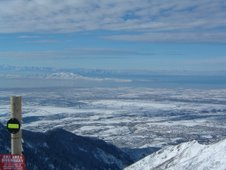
46	73
64	75
185	156
59	149
74	76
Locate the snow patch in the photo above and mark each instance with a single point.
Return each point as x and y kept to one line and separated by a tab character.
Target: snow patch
186	156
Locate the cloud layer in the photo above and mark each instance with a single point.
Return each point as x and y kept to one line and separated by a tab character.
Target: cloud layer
148	20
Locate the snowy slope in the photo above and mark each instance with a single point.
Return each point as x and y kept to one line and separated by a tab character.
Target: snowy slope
186	156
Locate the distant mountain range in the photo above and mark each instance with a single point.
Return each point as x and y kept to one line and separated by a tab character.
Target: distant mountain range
59	150
74	76
104	72
61	74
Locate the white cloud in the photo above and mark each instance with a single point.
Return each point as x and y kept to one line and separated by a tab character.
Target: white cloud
208	61
118	15
186	37
28	37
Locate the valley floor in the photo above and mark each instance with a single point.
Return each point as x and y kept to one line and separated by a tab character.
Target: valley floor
132	118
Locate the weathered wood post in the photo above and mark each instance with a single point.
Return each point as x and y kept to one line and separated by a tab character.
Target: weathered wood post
16	109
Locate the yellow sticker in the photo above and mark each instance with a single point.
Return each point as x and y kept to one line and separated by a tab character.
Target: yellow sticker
13	126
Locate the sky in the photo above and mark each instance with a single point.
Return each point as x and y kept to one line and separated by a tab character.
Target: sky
174	35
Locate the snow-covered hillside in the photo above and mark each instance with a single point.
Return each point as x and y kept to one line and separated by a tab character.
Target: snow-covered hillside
185	156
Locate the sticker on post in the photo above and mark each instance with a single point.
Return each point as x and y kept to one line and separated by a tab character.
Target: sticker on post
13	125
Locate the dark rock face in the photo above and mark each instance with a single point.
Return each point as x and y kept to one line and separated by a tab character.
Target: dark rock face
4	140
60	149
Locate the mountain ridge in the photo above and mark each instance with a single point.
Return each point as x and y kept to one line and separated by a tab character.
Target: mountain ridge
185	156
60	149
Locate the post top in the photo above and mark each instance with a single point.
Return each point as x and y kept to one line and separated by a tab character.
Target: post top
15	97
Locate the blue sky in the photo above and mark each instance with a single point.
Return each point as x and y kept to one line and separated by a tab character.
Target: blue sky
155	35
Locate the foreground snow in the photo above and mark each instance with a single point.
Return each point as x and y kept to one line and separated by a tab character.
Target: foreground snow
186	156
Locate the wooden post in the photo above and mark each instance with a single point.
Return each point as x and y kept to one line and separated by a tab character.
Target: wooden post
16	144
